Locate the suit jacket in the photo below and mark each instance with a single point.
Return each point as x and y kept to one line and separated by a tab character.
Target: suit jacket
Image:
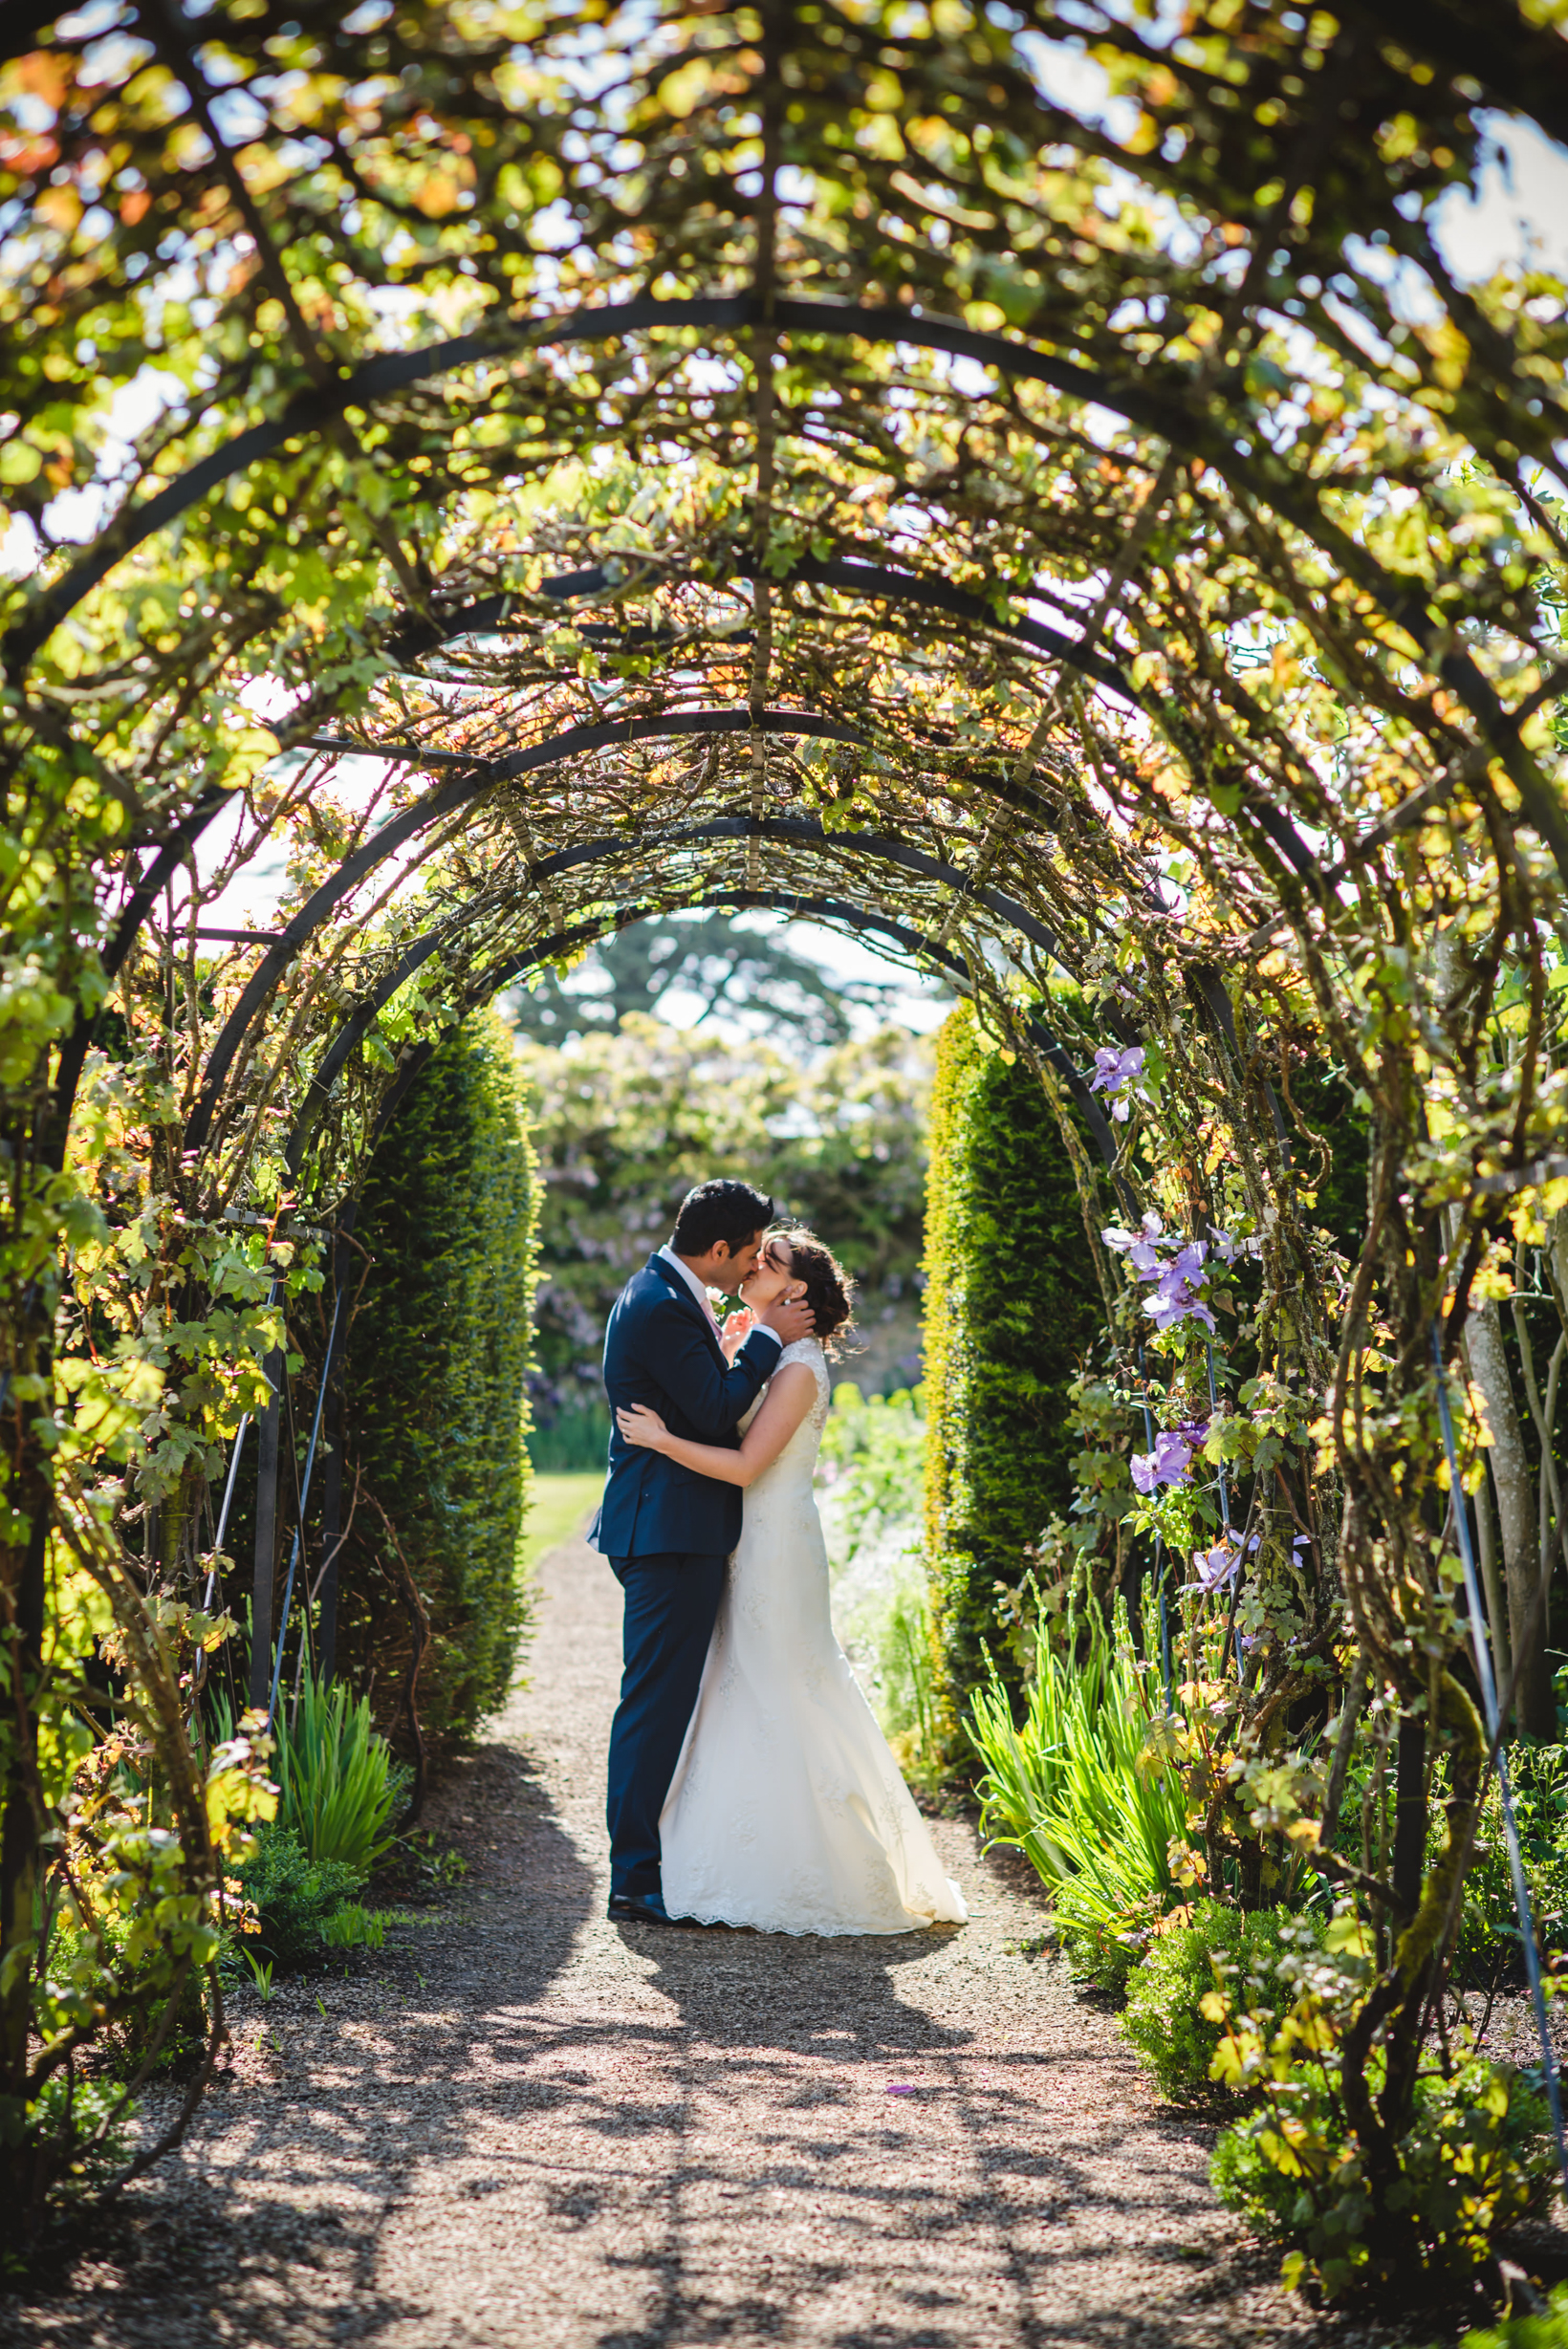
659	1349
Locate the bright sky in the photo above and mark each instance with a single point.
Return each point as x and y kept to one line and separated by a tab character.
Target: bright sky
921	1005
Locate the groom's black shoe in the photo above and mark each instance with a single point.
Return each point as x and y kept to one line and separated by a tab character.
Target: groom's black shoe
642	1908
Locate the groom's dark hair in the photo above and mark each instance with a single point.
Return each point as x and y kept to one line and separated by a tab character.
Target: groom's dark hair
721	1210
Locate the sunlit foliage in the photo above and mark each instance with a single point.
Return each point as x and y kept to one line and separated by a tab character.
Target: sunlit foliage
1025	479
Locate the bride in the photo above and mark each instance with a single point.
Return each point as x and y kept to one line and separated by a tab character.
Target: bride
787	1811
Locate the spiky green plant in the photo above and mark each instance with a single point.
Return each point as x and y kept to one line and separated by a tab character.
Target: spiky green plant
337	1787
1077	1786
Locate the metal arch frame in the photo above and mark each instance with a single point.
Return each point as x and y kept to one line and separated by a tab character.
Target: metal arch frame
788	831
494	613
862	578
833	911
876	582
478	777
310	411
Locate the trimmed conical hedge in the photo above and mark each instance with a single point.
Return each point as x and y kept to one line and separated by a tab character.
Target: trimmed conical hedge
435	1372
1011	1310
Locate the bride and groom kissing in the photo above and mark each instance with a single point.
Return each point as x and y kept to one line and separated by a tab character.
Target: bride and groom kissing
749	1782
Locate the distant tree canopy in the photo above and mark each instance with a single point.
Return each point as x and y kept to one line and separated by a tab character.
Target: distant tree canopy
626	1123
708	956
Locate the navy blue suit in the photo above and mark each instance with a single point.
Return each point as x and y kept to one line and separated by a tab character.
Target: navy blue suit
667	1533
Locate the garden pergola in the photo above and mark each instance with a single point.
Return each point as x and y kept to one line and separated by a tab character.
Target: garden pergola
1024	485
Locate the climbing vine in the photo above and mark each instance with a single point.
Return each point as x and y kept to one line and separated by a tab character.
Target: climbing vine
1024	484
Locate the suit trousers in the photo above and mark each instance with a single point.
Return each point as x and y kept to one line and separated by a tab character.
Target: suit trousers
672	1602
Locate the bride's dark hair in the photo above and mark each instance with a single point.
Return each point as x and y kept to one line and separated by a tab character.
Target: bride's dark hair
830	1292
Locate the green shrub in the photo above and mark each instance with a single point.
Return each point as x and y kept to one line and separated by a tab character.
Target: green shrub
1164	2018
1105	1929
1487	1946
573	1443
1487	1941
1078	1787
294	1895
1476	2156
98	2114
338	1788
1011	1308
1474	2161
871	1464
1547	2331
435	1377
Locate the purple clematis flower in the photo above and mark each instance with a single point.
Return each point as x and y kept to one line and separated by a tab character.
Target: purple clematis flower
1149	1232
1176	1298
1216	1567
1117	1074
1169	1461
1220	1565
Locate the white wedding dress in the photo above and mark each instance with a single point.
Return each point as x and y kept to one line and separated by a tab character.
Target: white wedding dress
787	1811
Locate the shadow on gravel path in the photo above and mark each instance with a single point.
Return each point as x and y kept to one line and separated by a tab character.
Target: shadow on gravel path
534	2130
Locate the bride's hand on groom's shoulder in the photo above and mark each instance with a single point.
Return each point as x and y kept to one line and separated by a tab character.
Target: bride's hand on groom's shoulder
738	1329
641	1425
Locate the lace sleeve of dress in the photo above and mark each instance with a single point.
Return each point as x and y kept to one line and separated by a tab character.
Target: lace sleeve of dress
808	1350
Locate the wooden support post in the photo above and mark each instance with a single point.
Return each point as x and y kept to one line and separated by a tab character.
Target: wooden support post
1409	1816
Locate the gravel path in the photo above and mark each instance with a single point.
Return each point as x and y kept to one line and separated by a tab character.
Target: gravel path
528	2127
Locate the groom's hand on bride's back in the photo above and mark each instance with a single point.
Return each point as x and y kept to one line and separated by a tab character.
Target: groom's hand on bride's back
788	1319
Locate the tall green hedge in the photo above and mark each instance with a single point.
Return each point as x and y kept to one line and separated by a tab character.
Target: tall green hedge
1011	1308
435	1374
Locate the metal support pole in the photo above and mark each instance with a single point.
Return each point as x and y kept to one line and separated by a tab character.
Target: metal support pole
331	1512
233	1479
1213	1411
332	1479
1225	1495
234	1459
266	1552
1160	1577
1482	1648
304	1502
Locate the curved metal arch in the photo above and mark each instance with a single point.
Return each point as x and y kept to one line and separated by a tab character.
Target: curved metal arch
311	411
831	910
172	851
491	613
477	777
786	831
876	582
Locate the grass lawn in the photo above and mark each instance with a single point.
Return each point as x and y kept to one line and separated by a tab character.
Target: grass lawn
560	1506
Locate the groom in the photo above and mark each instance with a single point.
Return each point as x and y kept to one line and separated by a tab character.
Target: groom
666	1531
